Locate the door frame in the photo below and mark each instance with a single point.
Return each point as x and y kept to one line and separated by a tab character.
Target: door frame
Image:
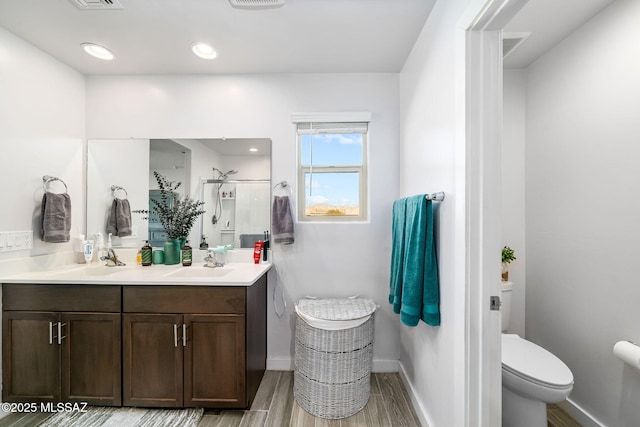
483	139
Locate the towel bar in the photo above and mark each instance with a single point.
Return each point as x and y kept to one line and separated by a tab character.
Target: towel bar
436	197
48	178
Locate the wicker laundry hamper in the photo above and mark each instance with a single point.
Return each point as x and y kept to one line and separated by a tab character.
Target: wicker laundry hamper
333	355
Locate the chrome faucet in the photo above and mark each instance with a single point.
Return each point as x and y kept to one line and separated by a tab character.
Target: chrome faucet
111	258
211	260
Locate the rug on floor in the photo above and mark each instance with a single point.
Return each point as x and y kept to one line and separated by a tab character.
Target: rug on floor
130	417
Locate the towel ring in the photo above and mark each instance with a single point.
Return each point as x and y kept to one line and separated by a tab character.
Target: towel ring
284	185
116	188
48	179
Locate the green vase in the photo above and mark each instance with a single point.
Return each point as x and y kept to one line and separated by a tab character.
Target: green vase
172	251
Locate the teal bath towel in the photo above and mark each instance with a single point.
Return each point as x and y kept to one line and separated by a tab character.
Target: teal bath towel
431	294
415	282
414	249
397	253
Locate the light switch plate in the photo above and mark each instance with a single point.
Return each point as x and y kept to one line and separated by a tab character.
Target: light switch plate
16	240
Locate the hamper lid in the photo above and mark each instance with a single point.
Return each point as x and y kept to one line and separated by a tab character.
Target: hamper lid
337	308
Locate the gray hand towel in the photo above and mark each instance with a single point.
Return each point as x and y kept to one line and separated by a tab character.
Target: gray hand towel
56	217
119	219
282	220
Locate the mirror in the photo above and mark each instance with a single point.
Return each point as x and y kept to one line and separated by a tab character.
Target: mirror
128	165
238	212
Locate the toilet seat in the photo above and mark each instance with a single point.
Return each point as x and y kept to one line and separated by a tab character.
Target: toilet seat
534	364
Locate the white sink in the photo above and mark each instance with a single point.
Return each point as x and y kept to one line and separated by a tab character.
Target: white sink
199	272
89	271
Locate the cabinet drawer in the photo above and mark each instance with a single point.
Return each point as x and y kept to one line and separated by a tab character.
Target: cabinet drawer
183	299
25	297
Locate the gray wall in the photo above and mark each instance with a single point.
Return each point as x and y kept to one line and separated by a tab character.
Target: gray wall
583	208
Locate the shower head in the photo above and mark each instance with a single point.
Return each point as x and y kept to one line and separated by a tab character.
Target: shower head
224	175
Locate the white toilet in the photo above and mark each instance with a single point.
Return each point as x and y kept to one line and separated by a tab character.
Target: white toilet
531	376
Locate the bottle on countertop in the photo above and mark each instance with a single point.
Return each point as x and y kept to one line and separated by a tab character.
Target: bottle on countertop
257	251
187	254
203	243
139	257
146	254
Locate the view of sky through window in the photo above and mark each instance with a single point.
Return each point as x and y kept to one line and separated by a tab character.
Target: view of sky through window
330	189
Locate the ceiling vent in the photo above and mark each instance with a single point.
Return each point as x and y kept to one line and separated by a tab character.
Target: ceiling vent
97	4
256	4
510	41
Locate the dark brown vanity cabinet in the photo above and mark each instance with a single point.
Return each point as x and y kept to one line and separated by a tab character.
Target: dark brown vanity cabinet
61	343
143	345
193	346
191	360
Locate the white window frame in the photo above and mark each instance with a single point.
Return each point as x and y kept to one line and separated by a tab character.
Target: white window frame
310	123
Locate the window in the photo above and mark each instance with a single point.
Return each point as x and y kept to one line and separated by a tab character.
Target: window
332	174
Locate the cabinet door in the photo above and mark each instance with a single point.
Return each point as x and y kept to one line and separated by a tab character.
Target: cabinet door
91	358
152	360
214	368
31	357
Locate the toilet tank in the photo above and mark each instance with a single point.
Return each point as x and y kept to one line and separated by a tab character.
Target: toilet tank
506	288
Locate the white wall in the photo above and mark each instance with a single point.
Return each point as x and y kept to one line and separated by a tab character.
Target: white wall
433	358
583	209
260	106
124	163
42	129
513	190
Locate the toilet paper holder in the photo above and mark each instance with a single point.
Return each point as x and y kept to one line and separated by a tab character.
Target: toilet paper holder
628	352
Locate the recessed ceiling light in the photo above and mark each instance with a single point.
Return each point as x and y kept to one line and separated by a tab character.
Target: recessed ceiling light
98	51
253	149
204	50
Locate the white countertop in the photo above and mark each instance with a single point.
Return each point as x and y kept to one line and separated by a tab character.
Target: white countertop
232	274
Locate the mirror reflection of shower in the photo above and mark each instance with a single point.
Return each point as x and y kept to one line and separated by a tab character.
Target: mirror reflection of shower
222	177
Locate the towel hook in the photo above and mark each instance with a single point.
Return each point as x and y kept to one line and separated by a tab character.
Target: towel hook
48	178
116	188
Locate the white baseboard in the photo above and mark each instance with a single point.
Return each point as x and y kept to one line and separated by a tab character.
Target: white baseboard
378	365
280	364
579	414
383	365
417	406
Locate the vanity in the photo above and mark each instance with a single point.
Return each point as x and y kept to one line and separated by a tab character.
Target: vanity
160	336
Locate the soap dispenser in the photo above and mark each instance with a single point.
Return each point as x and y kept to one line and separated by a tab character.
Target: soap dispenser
203	244
146	253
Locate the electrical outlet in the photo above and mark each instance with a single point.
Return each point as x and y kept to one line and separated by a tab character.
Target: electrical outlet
28	239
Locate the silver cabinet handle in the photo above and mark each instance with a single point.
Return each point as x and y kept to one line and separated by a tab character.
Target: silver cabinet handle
175	335
60	336
184	335
50	332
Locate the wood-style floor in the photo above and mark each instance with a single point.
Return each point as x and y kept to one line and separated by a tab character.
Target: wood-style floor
274	406
558	418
